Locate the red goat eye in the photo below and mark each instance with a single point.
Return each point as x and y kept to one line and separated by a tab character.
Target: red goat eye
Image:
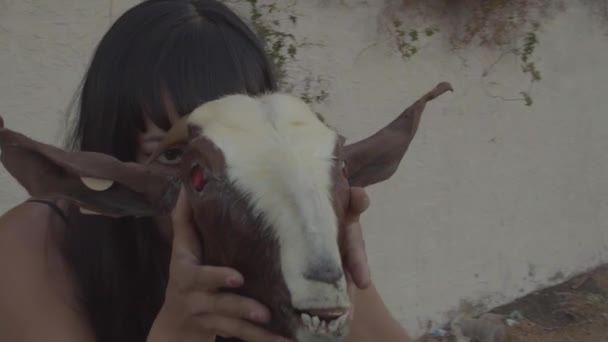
198	179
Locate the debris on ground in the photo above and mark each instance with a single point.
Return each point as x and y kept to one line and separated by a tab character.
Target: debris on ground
487	328
574	311
439	333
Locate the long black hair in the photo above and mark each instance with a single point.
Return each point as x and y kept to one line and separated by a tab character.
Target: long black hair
193	51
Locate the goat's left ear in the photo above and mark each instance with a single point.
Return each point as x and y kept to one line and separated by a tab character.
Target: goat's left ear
376	158
96	182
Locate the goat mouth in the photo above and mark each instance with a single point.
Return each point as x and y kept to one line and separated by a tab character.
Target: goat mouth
324	321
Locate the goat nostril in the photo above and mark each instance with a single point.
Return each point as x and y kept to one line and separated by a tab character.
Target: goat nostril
324	272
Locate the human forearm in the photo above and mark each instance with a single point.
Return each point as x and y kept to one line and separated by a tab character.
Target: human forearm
373	321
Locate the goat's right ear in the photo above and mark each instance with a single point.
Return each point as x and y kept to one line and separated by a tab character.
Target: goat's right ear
376	158
96	182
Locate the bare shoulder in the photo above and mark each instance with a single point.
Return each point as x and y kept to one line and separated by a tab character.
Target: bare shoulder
28	222
37	295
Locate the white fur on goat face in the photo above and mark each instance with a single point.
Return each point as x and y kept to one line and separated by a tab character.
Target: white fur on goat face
281	155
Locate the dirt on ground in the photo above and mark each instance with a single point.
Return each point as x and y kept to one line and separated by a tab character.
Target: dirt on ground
574	311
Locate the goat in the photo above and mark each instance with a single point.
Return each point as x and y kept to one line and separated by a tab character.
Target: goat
268	182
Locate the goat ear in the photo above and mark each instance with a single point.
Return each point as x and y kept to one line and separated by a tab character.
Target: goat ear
376	158
96	182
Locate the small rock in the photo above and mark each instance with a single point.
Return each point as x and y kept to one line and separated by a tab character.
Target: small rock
439	333
487	328
516	315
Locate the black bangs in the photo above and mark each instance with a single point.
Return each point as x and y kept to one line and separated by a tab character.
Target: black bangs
184	52
199	66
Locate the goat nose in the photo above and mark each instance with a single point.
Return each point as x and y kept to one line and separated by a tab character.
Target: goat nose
323	271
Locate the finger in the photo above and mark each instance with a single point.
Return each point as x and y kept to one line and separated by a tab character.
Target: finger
359	201
355	255
236	328
352	293
186	244
213	278
229	305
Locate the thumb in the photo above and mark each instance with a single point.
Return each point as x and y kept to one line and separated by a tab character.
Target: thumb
354	243
186	244
359	202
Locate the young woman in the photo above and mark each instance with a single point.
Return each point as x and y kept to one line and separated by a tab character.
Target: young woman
73	277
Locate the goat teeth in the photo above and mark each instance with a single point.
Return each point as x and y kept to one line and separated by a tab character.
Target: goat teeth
341	321
323	326
333	326
306	320
315	323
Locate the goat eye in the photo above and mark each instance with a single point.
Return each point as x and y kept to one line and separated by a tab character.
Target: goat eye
171	157
198	178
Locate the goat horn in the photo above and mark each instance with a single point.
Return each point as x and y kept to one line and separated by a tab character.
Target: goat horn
176	135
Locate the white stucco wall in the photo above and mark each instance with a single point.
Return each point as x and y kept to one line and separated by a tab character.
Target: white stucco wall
493	200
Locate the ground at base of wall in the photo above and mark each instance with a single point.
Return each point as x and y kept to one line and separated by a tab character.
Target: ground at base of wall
574	311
